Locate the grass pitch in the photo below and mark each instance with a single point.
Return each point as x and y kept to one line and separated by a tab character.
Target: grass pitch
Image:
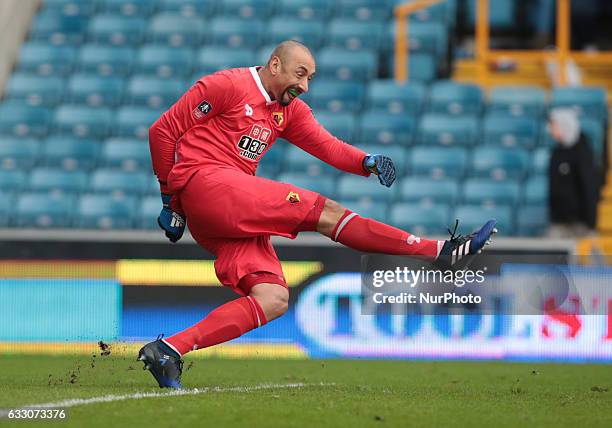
314	393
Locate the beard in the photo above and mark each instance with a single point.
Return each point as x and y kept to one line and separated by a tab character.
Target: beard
287	97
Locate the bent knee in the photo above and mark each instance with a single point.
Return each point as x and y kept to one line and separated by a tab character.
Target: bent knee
332	212
273	299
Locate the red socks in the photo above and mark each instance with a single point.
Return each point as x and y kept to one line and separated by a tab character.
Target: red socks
371	236
227	322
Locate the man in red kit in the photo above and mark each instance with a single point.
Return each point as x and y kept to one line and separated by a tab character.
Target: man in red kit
205	150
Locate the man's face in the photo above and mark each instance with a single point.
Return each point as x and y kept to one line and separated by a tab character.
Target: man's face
292	76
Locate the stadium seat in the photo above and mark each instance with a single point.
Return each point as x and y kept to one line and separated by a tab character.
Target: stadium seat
518	100
472	217
297	160
354	35
116	29
499	163
426	191
308	10
115	61
153	186
165	61
343	64
81	121
422	67
324	185
147	212
95	90
176	30
35	90
44	59
272	159
236	33
127	154
536	190
7	205
532	220
71	7
430	37
105	212
501	16
364	10
135	121
420	219
353	188
248	9
439	162
366	208
70	152
18	153
22	120
455	98
588	101
119	182
398	153
155	92
43	210
128	7
341	125
540	160
443	12
54	27
336	96
57	180
311	33
214	58
448	130
380	127
12	180
189	8
485	191
395	98
510	131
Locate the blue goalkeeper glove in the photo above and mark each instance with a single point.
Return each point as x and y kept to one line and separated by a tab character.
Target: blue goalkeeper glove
382	166
170	221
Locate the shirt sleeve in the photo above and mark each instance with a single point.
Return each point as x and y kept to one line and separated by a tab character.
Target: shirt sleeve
207	98
305	132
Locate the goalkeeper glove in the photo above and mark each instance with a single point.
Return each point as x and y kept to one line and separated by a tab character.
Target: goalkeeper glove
172	222
382	166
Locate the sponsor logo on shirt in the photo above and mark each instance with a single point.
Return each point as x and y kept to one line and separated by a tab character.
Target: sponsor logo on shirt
253	145
202	109
293	197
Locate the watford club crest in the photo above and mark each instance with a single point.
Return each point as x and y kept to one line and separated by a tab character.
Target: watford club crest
293	197
278	117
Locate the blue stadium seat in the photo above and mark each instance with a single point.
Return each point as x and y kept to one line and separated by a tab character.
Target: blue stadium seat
81	121
22	120
324	185
398	153
272	160
70	152
18	153
297	160
113	61
153	186
95	90
7	205
105	212
176	30
52	26
367	208
214	58
472	217
43	210
485	191
128	7
188	8
500	17
263	55
430	37
425	191
380	127
116	29
343	64
147	212
57	180
308	10
353	188
44	59
71	7
135	121
35	90
236	33
499	163
341	125
420	219
443	12
518	100
540	160
439	162
165	61
536	190
311	33
155	92
354	35
588	101
248	9
532	220
510	131
448	130
422	67
336	95
127	154
119	182
395	98
12	180
455	98
364	10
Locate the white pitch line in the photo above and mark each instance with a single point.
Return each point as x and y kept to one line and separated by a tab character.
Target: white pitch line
174	393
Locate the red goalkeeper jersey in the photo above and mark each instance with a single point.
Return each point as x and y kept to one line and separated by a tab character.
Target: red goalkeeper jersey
227	119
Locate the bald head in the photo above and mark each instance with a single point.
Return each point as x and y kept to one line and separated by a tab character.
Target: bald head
288	49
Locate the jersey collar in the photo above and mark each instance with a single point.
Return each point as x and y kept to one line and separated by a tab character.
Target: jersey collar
260	85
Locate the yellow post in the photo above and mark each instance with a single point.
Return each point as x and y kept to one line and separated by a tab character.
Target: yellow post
482	41
563	38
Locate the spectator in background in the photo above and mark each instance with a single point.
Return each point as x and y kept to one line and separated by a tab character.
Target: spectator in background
572	178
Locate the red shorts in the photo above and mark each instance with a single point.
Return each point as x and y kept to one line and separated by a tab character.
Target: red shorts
233	214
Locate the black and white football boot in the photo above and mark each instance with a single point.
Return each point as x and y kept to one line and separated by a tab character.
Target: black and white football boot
459	251
163	362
